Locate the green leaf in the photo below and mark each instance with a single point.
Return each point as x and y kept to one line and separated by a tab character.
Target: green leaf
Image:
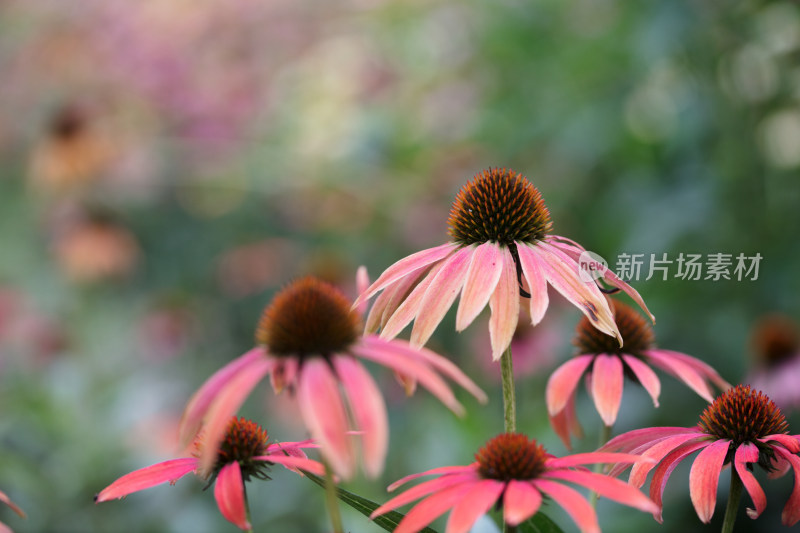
388	521
539	523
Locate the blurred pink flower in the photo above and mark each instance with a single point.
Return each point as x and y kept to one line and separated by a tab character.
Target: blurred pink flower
6	500
606	364
309	342
516	473
243	453
501	248
743	427
775	345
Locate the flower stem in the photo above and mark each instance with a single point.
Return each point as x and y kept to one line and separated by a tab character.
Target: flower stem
332	501
247	508
734	496
605	436
509	403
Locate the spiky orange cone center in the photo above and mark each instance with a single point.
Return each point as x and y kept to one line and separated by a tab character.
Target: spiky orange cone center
511	456
498	205
635	331
742	414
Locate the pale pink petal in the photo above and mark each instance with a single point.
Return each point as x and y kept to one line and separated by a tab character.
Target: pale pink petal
589	458
566	422
562	273
362	284
440	295
409	308
442	364
520	502
432	508
5	529
423	489
747	452
369	412
573	503
664	470
504	304
633	439
790	442
297	464
791	511
562	383
147	477
657	452
13	506
228	400
205	395
647	378
483	274
473	504
537	284
406	266
608	487
682	371
229	493
607	382
702	368
390	299
704	478
414	369
283	374
574	250
292	448
442	470
324	415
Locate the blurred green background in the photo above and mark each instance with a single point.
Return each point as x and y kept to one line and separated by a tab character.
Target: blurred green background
167	165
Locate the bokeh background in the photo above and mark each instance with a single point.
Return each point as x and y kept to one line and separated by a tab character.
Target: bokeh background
167	165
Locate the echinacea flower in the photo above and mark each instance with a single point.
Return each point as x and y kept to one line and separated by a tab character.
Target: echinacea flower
501	249
776	347
742	427
6	500
606	364
516	473
243	453
309	342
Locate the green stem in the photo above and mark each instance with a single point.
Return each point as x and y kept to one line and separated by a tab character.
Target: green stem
509	403
247	508
605	436
332	501
734	496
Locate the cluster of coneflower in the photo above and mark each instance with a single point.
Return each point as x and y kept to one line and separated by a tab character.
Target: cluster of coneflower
311	342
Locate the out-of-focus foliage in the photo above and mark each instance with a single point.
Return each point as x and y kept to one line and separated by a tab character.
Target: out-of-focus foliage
167	165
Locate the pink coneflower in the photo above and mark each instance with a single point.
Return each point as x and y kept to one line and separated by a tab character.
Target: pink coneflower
516	473
606	364
243	453
309	342
6	500
775	344
743	427
501	249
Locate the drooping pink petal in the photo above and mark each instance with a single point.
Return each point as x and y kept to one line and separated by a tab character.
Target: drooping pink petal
297	464
423	489
145	478
229	493
608	487
607	383
537	284
228	400
410	306
790	442
416	370
13	506
432	508
633	439
647	378
504	304
362	284
406	266
791	511
368	409
292	448
747	452
483	274
390	299
566	422
562	383
574	250
682	371
702	368
664	470
283	374
704	478
324	415
205	395
441	470
440	295
589	458
520	502
573	503
656	452
562	273
474	504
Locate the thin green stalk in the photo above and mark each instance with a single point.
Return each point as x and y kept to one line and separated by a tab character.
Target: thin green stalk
509	403
247	508
332	501
734	496
605	436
